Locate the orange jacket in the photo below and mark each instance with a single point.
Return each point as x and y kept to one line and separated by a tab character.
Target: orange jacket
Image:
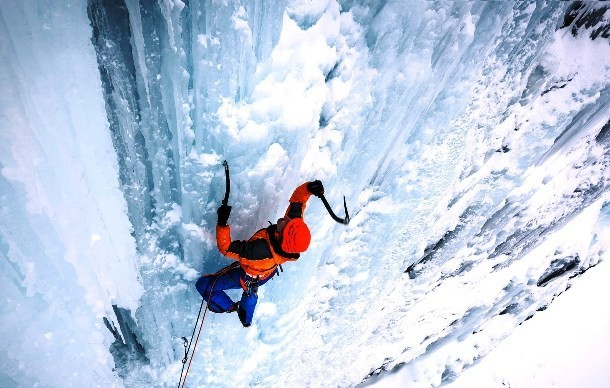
261	254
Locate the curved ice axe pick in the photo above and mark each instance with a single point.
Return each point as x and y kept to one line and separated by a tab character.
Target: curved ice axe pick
225	201
343	221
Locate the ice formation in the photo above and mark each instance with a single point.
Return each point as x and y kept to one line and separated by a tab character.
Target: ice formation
471	140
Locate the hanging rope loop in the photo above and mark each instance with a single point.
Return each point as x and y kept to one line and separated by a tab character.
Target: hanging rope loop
185	343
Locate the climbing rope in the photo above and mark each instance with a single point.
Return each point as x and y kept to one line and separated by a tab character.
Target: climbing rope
182	382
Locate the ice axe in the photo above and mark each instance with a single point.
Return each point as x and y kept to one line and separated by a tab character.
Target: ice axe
225	201
343	221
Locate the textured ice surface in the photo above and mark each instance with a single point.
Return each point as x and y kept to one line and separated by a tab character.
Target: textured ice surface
66	249
465	136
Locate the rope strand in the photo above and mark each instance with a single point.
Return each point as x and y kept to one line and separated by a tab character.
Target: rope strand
217	274
190	342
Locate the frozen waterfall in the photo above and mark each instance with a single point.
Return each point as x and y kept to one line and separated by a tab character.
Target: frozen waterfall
471	140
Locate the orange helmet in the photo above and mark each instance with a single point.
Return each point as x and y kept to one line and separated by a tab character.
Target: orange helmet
296	236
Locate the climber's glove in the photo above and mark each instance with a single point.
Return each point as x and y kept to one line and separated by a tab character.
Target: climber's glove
316	188
224	211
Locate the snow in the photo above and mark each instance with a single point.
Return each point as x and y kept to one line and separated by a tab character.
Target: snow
468	138
563	346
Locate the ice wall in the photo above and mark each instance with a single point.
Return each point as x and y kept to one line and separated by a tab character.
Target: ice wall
468	138
66	248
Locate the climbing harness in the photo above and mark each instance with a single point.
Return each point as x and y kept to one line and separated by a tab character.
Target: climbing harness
252	285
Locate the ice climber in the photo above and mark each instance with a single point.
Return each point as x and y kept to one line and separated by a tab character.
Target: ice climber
259	257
